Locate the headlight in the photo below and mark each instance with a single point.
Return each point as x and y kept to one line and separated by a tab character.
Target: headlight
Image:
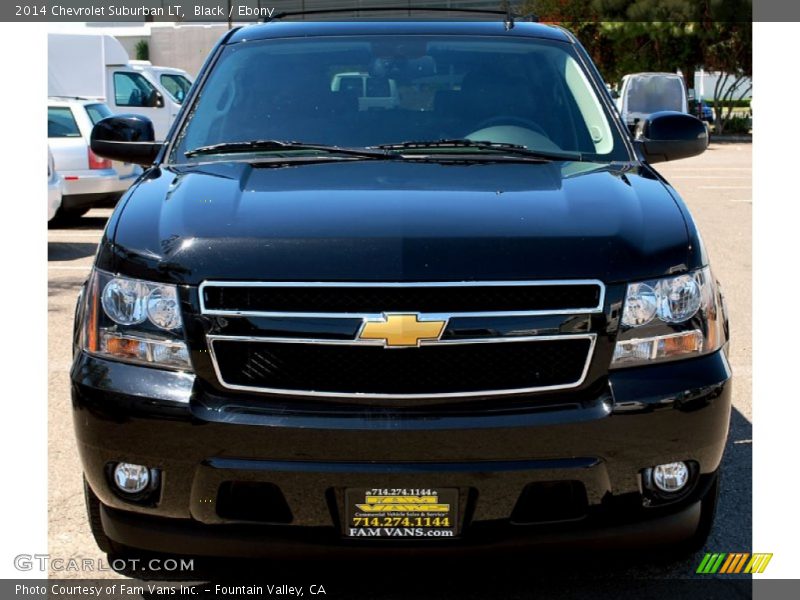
134	321
669	319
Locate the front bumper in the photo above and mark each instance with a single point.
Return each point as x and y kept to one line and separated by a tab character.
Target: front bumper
639	418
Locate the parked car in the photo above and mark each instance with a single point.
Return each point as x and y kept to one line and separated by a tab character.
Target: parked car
704	112
88	179
98	66
477	320
53	187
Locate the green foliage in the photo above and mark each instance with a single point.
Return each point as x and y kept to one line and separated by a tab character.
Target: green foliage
142	50
736	103
631	36
738	125
634	36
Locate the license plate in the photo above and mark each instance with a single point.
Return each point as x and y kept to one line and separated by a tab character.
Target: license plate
401	513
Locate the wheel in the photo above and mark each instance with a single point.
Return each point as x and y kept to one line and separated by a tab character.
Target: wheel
95	522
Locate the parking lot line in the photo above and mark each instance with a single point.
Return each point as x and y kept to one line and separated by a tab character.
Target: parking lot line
726	177
705	168
69	267
725	187
86	234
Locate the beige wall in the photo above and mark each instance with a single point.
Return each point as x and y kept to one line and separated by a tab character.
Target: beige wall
129	43
184	47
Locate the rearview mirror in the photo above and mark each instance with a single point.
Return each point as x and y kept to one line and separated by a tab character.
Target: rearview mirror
670	135
126	138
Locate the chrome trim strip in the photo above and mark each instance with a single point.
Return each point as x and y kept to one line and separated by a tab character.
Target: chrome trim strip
365	395
422	284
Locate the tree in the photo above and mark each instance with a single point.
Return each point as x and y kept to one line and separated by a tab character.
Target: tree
731	55
629	36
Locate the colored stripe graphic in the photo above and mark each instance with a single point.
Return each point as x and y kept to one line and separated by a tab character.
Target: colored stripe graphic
758	563
727	564
734	562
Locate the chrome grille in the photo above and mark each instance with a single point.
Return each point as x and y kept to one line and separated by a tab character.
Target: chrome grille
446	367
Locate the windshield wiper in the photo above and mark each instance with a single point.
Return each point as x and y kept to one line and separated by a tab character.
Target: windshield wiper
494	147
279	145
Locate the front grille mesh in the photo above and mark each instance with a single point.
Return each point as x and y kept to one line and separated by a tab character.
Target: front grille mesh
437	299
434	369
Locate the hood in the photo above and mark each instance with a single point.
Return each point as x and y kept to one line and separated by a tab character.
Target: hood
397	221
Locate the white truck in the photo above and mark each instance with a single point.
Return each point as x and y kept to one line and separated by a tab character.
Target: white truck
172	82
97	66
642	94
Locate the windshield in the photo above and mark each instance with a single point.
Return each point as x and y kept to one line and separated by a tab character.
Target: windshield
371	91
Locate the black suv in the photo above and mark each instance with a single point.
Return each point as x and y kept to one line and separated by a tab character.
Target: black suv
404	285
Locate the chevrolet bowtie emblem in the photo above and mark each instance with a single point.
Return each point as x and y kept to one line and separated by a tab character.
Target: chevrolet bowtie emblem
397	331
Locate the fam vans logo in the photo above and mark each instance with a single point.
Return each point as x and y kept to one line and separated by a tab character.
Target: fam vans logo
734	562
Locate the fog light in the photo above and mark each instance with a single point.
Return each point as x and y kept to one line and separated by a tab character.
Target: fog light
671	477
131	479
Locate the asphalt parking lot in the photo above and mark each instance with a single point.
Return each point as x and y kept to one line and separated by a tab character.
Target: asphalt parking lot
717	188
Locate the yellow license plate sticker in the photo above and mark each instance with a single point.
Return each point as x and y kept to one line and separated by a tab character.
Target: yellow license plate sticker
401	513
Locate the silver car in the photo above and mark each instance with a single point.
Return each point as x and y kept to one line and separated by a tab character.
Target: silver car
53	187
87	179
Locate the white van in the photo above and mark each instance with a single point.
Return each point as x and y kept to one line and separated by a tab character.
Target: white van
642	94
97	66
172	82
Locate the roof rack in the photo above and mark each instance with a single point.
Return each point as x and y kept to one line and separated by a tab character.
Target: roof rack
507	12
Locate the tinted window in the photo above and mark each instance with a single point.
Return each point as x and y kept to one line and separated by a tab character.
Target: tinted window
177	86
97	112
132	89
61	123
364	91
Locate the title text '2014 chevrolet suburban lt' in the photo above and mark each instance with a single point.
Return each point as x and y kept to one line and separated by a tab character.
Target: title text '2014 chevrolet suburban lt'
472	317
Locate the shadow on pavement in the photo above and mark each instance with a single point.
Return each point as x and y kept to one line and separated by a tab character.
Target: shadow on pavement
92	223
63	251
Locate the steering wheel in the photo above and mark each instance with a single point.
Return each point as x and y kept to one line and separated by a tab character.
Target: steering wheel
511	120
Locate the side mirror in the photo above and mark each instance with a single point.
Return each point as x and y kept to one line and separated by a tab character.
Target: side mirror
156	99
126	138
670	135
